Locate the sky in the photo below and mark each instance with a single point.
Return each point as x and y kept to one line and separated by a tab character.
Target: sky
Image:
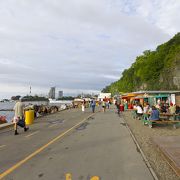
77	45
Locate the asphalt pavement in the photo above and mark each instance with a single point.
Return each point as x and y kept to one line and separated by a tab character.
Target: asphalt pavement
72	145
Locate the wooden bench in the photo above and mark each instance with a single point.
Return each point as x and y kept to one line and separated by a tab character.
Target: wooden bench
175	123
145	120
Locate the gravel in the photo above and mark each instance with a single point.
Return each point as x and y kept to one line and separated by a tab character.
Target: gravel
144	135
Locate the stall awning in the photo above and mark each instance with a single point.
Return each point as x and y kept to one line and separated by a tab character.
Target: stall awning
163	95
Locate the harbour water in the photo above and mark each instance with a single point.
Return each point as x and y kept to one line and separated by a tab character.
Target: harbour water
9	105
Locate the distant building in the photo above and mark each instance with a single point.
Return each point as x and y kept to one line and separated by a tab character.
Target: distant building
60	94
52	93
101	96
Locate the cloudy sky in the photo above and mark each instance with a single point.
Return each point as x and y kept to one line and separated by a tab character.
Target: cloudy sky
77	45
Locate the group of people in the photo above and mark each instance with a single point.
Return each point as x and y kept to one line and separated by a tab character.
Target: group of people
105	103
119	105
92	105
154	111
19	113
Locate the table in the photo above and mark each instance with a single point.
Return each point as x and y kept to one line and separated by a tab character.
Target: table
164	119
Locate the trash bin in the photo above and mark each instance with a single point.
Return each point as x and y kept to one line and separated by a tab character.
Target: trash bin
29	117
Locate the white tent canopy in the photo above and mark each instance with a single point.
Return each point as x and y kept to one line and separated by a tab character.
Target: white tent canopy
103	95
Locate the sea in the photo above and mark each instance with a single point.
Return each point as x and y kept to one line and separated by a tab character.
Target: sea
9	105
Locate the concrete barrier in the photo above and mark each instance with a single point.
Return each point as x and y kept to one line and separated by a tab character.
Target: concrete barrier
6	125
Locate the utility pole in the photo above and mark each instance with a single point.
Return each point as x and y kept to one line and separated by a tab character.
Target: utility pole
30	90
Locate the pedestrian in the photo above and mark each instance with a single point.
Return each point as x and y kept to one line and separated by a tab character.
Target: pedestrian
108	104
93	105
117	104
104	105
172	108
146	108
163	108
172	111
139	111
154	114
125	105
83	105
19	119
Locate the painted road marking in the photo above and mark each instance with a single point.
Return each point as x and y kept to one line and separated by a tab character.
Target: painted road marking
95	178
11	169
32	134
2	146
52	125
56	122
68	177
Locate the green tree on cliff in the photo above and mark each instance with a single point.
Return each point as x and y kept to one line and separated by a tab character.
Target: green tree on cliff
153	70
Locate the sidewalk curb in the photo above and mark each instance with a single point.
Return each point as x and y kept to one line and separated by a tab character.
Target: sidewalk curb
142	153
6	125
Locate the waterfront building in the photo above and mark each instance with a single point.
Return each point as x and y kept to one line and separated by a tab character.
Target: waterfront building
52	93
101	96
152	97
60	94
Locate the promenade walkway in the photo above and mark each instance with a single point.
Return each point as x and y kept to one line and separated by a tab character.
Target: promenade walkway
71	142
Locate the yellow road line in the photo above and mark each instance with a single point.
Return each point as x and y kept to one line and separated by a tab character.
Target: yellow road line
95	178
32	134
11	169
68	177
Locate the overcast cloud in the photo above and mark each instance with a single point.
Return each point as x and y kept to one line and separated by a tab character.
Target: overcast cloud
77	45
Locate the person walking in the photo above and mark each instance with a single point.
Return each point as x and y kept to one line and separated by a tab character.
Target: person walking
103	105
19	119
83	105
108	104
93	105
117	104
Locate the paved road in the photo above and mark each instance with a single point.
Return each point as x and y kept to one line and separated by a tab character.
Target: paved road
101	146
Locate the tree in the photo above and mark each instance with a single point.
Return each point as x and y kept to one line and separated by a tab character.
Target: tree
15	98
153	70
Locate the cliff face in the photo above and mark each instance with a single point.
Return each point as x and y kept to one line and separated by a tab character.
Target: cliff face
176	73
170	77
176	78
154	70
